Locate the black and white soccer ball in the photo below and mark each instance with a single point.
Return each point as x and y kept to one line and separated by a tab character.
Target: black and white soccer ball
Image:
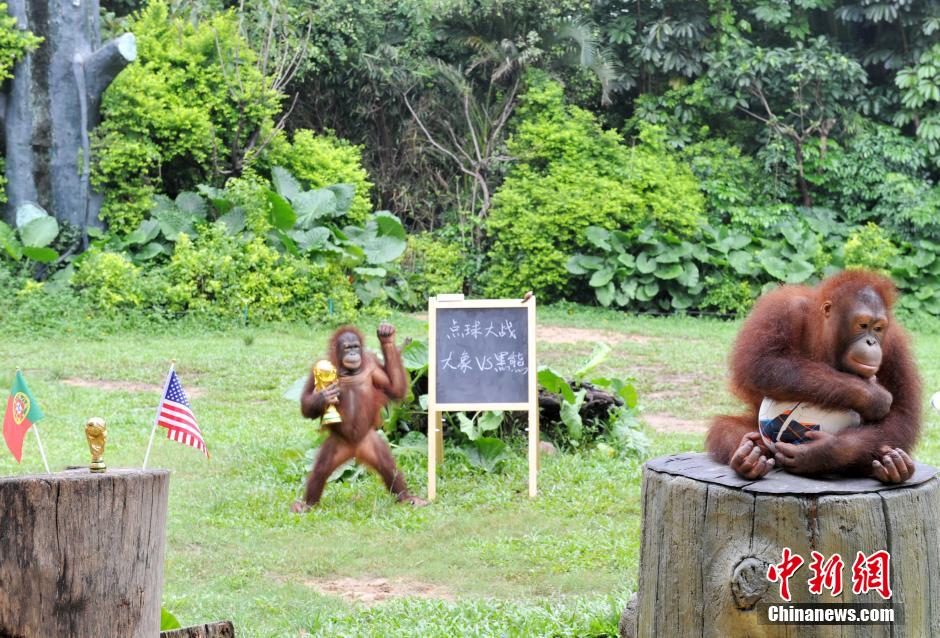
789	421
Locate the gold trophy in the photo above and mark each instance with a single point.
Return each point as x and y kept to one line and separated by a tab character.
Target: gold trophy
97	434
324	375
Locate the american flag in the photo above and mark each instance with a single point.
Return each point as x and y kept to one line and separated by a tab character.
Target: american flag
176	416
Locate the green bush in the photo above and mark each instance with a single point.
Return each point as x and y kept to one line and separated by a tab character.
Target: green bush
108	280
572	174
869	246
433	265
323	160
220	274
181	115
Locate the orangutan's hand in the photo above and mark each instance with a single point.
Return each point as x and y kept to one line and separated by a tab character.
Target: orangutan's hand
386	333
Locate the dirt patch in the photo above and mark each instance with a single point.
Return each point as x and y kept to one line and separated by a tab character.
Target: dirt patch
371	591
560	334
125	386
669	424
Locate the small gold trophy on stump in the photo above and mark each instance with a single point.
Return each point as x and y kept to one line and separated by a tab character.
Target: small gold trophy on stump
97	434
324	374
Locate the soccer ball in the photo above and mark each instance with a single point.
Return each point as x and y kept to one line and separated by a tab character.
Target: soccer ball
789	421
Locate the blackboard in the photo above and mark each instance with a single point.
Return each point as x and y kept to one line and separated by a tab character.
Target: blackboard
481	355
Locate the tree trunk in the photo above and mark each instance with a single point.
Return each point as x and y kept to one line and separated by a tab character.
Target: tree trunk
81	554
709	536
52	104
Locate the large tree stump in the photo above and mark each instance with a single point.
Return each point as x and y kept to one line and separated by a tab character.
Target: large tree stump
223	629
81	554
709	536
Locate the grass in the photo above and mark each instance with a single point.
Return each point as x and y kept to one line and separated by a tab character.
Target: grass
559	565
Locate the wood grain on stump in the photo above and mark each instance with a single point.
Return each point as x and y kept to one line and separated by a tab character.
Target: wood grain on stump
81	554
215	630
709	536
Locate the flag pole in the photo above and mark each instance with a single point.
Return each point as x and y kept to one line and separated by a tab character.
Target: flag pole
41	451
153	430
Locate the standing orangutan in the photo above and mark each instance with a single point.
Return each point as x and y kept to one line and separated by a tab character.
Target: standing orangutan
364	385
824	345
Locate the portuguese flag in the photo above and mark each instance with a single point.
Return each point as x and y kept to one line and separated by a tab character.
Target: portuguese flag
22	412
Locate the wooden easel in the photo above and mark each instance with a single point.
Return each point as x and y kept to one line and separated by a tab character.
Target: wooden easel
436	410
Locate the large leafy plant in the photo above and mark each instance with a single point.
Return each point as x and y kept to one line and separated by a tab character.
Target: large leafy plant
620	426
35	231
306	222
659	272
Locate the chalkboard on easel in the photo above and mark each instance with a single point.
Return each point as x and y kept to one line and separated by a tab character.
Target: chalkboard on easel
482	355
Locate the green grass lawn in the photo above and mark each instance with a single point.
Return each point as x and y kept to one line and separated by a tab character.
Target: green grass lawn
483	560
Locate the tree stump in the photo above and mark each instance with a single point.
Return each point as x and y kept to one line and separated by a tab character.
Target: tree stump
81	554
709	536
215	630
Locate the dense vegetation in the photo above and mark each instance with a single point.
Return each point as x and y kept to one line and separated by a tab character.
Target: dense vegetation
669	156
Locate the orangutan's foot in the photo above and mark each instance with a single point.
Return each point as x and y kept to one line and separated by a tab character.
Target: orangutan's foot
299	507
417	501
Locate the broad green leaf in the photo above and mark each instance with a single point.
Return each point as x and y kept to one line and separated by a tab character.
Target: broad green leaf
627	260
149	251
486	453
344	194
571	415
647	291
775	267
312	206
234	220
314	239
583	264
286	242
668	256
626	292
146	232
192	204
602	277
689	277
598	356
741	261
390	225
285	184
40	254
605	294
173	222
671	271
554	383
923	258
167	620
281	215
799	271
415	355
27	212
382	240
489	420
468	426
645	264
598	236
39	232
680	300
